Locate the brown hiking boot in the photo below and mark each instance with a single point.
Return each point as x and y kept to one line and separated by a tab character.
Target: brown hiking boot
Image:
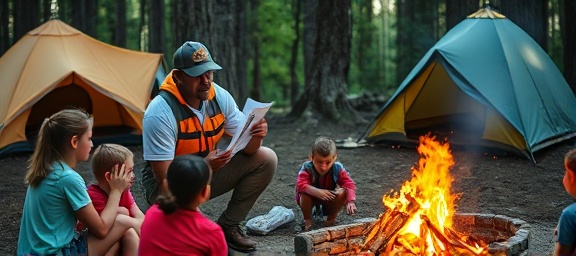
236	239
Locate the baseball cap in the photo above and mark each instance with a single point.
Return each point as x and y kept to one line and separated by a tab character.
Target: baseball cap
194	59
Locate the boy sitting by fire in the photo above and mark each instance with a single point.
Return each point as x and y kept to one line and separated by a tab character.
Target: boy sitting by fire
566	229
324	184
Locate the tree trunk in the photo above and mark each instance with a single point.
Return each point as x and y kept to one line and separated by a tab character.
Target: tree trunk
242	52
569	42
144	42
46	10
328	89
385	40
26	17
308	47
458	10
213	24
256	92
188	22
530	15
156	35
78	11
4	31
90	17
404	41
225	48
65	10
119	37
363	40
308	36
294	57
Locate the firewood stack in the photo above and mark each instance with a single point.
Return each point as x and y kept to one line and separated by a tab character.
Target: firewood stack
504	236
343	240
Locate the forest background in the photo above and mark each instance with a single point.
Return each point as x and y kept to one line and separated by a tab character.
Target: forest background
280	50
312	57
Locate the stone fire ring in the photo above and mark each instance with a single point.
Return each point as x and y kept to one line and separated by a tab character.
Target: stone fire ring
505	235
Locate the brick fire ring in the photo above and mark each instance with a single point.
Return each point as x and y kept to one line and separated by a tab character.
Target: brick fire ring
505	235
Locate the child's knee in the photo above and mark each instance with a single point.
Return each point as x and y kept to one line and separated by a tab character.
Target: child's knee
341	194
126	221
305	199
131	236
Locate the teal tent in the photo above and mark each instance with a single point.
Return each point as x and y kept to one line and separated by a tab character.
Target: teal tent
485	83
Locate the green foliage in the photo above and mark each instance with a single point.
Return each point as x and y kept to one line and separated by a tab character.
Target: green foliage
133	24
372	66
105	19
275	36
364	69
555	45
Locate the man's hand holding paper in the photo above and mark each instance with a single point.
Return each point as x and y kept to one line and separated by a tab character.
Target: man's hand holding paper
260	129
255	125
218	158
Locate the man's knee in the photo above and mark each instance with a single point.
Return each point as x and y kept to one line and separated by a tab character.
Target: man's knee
267	157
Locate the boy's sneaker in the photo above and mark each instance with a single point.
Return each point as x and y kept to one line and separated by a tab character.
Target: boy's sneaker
317	212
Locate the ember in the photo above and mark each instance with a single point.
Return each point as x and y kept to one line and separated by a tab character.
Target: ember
419	217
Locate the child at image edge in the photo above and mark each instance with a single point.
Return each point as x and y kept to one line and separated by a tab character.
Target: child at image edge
324	182
566	230
56	198
106	157
175	225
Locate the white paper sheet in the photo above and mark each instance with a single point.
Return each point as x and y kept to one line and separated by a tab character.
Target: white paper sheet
254	112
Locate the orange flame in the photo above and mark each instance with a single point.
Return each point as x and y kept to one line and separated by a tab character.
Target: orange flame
429	187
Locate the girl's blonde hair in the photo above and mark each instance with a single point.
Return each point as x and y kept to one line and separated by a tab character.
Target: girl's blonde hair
106	156
53	138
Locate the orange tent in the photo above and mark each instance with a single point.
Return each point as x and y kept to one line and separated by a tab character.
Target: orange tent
56	66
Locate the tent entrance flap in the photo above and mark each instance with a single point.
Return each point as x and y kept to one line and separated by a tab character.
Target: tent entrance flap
434	104
60	98
441	108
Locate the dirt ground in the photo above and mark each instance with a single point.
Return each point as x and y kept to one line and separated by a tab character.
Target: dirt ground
497	184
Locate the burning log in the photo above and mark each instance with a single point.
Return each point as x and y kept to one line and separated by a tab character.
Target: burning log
387	226
456	242
384	237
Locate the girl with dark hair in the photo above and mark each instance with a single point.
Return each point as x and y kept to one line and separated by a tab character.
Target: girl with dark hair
184	229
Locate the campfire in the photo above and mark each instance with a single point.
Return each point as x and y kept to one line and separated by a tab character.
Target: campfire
419	217
421	220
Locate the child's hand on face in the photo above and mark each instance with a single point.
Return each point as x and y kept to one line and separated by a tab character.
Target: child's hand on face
119	178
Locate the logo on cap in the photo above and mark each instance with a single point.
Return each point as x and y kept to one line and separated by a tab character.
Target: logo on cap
199	55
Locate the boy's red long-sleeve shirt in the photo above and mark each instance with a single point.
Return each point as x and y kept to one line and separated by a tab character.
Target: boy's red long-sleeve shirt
338	175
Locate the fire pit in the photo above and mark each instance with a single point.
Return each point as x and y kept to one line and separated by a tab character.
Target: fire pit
420	219
504	235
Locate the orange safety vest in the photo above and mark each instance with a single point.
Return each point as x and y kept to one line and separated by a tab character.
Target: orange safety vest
193	137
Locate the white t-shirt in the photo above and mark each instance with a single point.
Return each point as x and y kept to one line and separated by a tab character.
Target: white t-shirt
159	124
